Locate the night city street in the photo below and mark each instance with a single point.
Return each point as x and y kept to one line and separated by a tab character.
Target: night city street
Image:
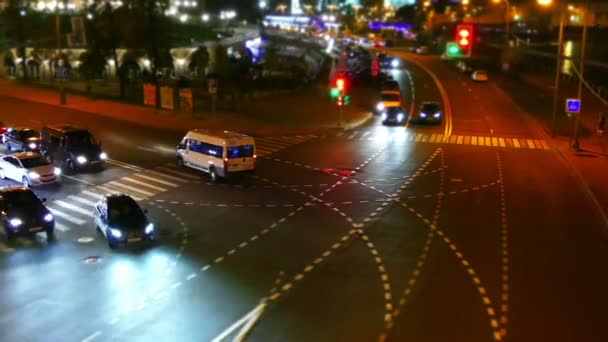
474	229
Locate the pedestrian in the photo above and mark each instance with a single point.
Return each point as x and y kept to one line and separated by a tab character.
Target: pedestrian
601	124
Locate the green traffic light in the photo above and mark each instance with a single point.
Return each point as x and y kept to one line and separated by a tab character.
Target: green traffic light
347	100
334	92
453	49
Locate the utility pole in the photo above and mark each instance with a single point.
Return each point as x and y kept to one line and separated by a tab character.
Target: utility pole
581	70
62	95
560	52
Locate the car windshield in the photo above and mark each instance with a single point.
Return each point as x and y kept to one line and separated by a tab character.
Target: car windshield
394	110
124	212
32	162
80	138
389	98
430	107
240	151
29	134
20	199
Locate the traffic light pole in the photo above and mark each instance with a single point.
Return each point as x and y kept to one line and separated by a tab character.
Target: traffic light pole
62	97
581	72
560	51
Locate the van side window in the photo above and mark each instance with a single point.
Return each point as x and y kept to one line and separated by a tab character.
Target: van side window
206	149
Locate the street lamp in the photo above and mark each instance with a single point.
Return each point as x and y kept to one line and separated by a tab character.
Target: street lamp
62	95
262	4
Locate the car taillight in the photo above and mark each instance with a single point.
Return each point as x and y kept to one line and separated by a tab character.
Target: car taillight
255	156
225	163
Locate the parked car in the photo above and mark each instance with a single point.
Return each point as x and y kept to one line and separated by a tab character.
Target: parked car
28	168
22	139
23	213
480	76
74	147
122	221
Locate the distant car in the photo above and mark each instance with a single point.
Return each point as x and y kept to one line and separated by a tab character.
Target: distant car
463	66
22	139
3	129
76	148
28	168
412	48
394	116
389	85
429	112
423	50
480	76
23	213
387	100
122	221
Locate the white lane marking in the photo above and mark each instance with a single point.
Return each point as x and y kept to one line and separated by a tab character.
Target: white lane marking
132	180
66	217
125	165
247	322
114	191
147	149
92	194
132	188
139	175
164	175
82	200
78	180
92	336
177	172
72	207
61	227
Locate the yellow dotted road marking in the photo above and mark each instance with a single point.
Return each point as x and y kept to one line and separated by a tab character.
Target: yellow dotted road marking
501	142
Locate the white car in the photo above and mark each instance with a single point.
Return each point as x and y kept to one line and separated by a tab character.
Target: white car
28	168
479	75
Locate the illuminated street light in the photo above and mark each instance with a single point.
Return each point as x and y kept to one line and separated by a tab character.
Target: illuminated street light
262	4
205	17
183	18
545	2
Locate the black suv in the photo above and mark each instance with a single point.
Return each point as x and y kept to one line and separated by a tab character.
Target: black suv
71	146
22	139
23	213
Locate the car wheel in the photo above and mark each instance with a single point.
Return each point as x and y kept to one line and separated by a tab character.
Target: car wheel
213	175
50	235
25	182
179	162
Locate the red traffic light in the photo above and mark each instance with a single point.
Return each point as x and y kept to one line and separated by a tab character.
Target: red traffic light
464	35
340	84
340	101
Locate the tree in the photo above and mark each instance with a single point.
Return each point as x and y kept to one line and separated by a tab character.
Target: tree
13	16
92	65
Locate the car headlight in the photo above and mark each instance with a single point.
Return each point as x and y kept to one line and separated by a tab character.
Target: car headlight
32	145
380	106
437	115
395	63
34	175
116	233
423	115
48	217
384	116
150	228
103	156
81	159
15	222
400	117
57	171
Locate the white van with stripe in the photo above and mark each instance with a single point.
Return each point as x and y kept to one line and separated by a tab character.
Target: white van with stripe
219	153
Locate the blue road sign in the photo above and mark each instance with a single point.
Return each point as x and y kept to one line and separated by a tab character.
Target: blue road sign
573	106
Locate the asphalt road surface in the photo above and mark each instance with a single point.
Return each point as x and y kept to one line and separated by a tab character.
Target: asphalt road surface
379	233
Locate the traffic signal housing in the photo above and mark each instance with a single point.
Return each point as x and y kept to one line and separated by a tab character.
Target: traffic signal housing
453	49
464	38
340	84
340	101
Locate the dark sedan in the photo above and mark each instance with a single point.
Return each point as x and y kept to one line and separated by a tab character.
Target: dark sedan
122	221
393	116
23	213
429	112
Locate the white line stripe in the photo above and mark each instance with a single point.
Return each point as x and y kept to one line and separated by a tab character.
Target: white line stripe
129	179
132	188
66	217
61	227
73	208
139	175
115	191
164	175
92	336
92	194
125	165
82	200
176	172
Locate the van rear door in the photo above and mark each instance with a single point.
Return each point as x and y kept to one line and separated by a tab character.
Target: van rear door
240	158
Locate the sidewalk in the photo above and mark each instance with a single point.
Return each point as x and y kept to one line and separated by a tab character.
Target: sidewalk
590	163
277	114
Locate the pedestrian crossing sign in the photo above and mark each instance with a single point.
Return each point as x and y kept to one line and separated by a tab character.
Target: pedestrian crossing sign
573	106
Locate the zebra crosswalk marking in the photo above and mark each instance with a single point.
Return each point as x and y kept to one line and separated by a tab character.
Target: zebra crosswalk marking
82	200
177	172
164	175
73	207
131	188
148	185
66	217
156	180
